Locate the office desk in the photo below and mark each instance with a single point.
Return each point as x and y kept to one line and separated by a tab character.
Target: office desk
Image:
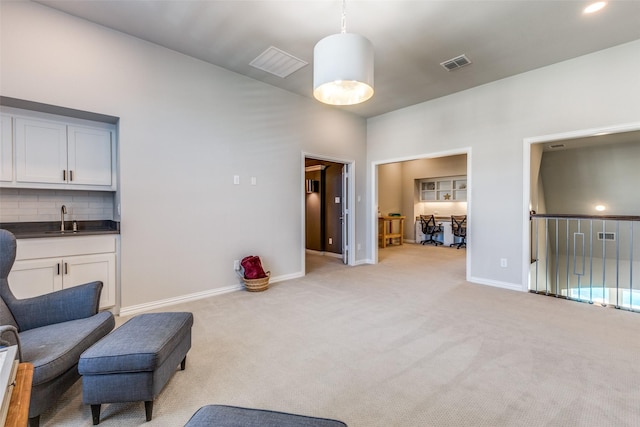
386	230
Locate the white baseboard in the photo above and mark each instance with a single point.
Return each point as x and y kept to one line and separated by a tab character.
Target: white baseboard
497	284
363	261
323	253
139	308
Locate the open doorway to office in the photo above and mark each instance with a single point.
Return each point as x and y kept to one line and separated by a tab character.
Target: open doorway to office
327	208
397	188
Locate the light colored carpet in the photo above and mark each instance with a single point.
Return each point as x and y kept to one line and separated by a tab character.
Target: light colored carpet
407	342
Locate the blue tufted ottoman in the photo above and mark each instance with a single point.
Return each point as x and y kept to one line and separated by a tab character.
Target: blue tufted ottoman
233	416
135	361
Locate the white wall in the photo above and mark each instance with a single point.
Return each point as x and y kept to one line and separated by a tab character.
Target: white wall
186	128
591	91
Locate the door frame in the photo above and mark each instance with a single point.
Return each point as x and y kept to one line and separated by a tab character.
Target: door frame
347	194
526	181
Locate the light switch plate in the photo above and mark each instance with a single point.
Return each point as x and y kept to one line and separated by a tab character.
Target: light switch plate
236	179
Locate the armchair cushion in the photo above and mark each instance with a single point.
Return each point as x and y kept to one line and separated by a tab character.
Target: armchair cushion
56	348
73	303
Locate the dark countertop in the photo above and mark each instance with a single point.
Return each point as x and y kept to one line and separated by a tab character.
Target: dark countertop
31	230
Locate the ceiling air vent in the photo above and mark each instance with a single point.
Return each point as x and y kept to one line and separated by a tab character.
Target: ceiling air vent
277	62
455	63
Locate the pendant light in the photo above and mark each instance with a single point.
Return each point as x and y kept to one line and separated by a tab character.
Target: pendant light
343	68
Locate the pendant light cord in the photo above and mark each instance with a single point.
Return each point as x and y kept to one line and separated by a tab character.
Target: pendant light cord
344	16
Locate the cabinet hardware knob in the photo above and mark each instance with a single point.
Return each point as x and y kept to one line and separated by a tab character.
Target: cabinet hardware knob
70	175
58	264
66	268
64	175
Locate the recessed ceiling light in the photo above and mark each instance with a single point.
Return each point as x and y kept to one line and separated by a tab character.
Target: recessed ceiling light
600	208
594	7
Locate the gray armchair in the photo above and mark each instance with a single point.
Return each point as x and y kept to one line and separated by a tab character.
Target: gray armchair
51	331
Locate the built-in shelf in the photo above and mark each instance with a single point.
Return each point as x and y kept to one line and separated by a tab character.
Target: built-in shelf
446	189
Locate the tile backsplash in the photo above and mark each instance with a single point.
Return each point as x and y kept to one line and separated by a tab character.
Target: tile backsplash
27	205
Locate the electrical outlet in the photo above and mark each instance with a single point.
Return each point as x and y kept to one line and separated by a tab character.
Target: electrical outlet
503	262
236	264
359	246
330	241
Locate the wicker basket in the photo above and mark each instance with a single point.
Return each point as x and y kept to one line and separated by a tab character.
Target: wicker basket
257	285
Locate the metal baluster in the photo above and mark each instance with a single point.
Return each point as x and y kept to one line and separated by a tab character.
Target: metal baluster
591	261
546	255
604	262
567	221
537	255
631	268
617	263
557	262
578	233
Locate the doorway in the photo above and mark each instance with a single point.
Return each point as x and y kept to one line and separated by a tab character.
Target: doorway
326	208
396	190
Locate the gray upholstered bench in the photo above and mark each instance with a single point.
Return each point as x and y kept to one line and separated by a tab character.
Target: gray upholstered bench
232	416
135	361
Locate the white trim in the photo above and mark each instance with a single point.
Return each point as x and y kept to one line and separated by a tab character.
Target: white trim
497	284
364	261
135	309
323	253
287	277
526	181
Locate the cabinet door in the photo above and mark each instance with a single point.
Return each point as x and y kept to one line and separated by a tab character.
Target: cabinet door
90	156
41	151
30	278
90	268
6	148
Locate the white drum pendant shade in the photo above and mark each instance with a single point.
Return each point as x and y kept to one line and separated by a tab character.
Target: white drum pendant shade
343	69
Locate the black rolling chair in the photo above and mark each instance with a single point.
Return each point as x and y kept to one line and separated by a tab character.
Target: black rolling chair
459	229
430	228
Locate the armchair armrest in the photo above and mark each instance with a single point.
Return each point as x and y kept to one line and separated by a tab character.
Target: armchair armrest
11	330
73	303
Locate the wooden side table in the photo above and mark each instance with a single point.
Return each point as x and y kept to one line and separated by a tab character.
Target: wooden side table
385	229
18	414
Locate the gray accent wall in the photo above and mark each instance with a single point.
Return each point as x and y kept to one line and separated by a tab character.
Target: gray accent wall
577	180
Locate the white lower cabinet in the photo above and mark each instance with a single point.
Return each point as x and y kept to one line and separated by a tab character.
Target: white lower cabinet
42	267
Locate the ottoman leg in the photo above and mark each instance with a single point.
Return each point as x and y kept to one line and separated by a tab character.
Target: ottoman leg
183	364
95	414
148	409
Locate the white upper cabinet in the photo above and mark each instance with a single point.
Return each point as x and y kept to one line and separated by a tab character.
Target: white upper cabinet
41	151
89	155
58	154
6	148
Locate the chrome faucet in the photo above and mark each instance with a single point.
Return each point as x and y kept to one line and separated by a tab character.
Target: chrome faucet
63	210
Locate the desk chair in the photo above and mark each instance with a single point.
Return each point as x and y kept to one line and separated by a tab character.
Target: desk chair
459	229
430	228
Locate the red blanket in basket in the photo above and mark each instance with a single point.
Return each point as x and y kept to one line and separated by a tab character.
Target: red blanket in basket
252	267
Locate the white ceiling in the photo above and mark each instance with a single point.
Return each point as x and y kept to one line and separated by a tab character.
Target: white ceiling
410	38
